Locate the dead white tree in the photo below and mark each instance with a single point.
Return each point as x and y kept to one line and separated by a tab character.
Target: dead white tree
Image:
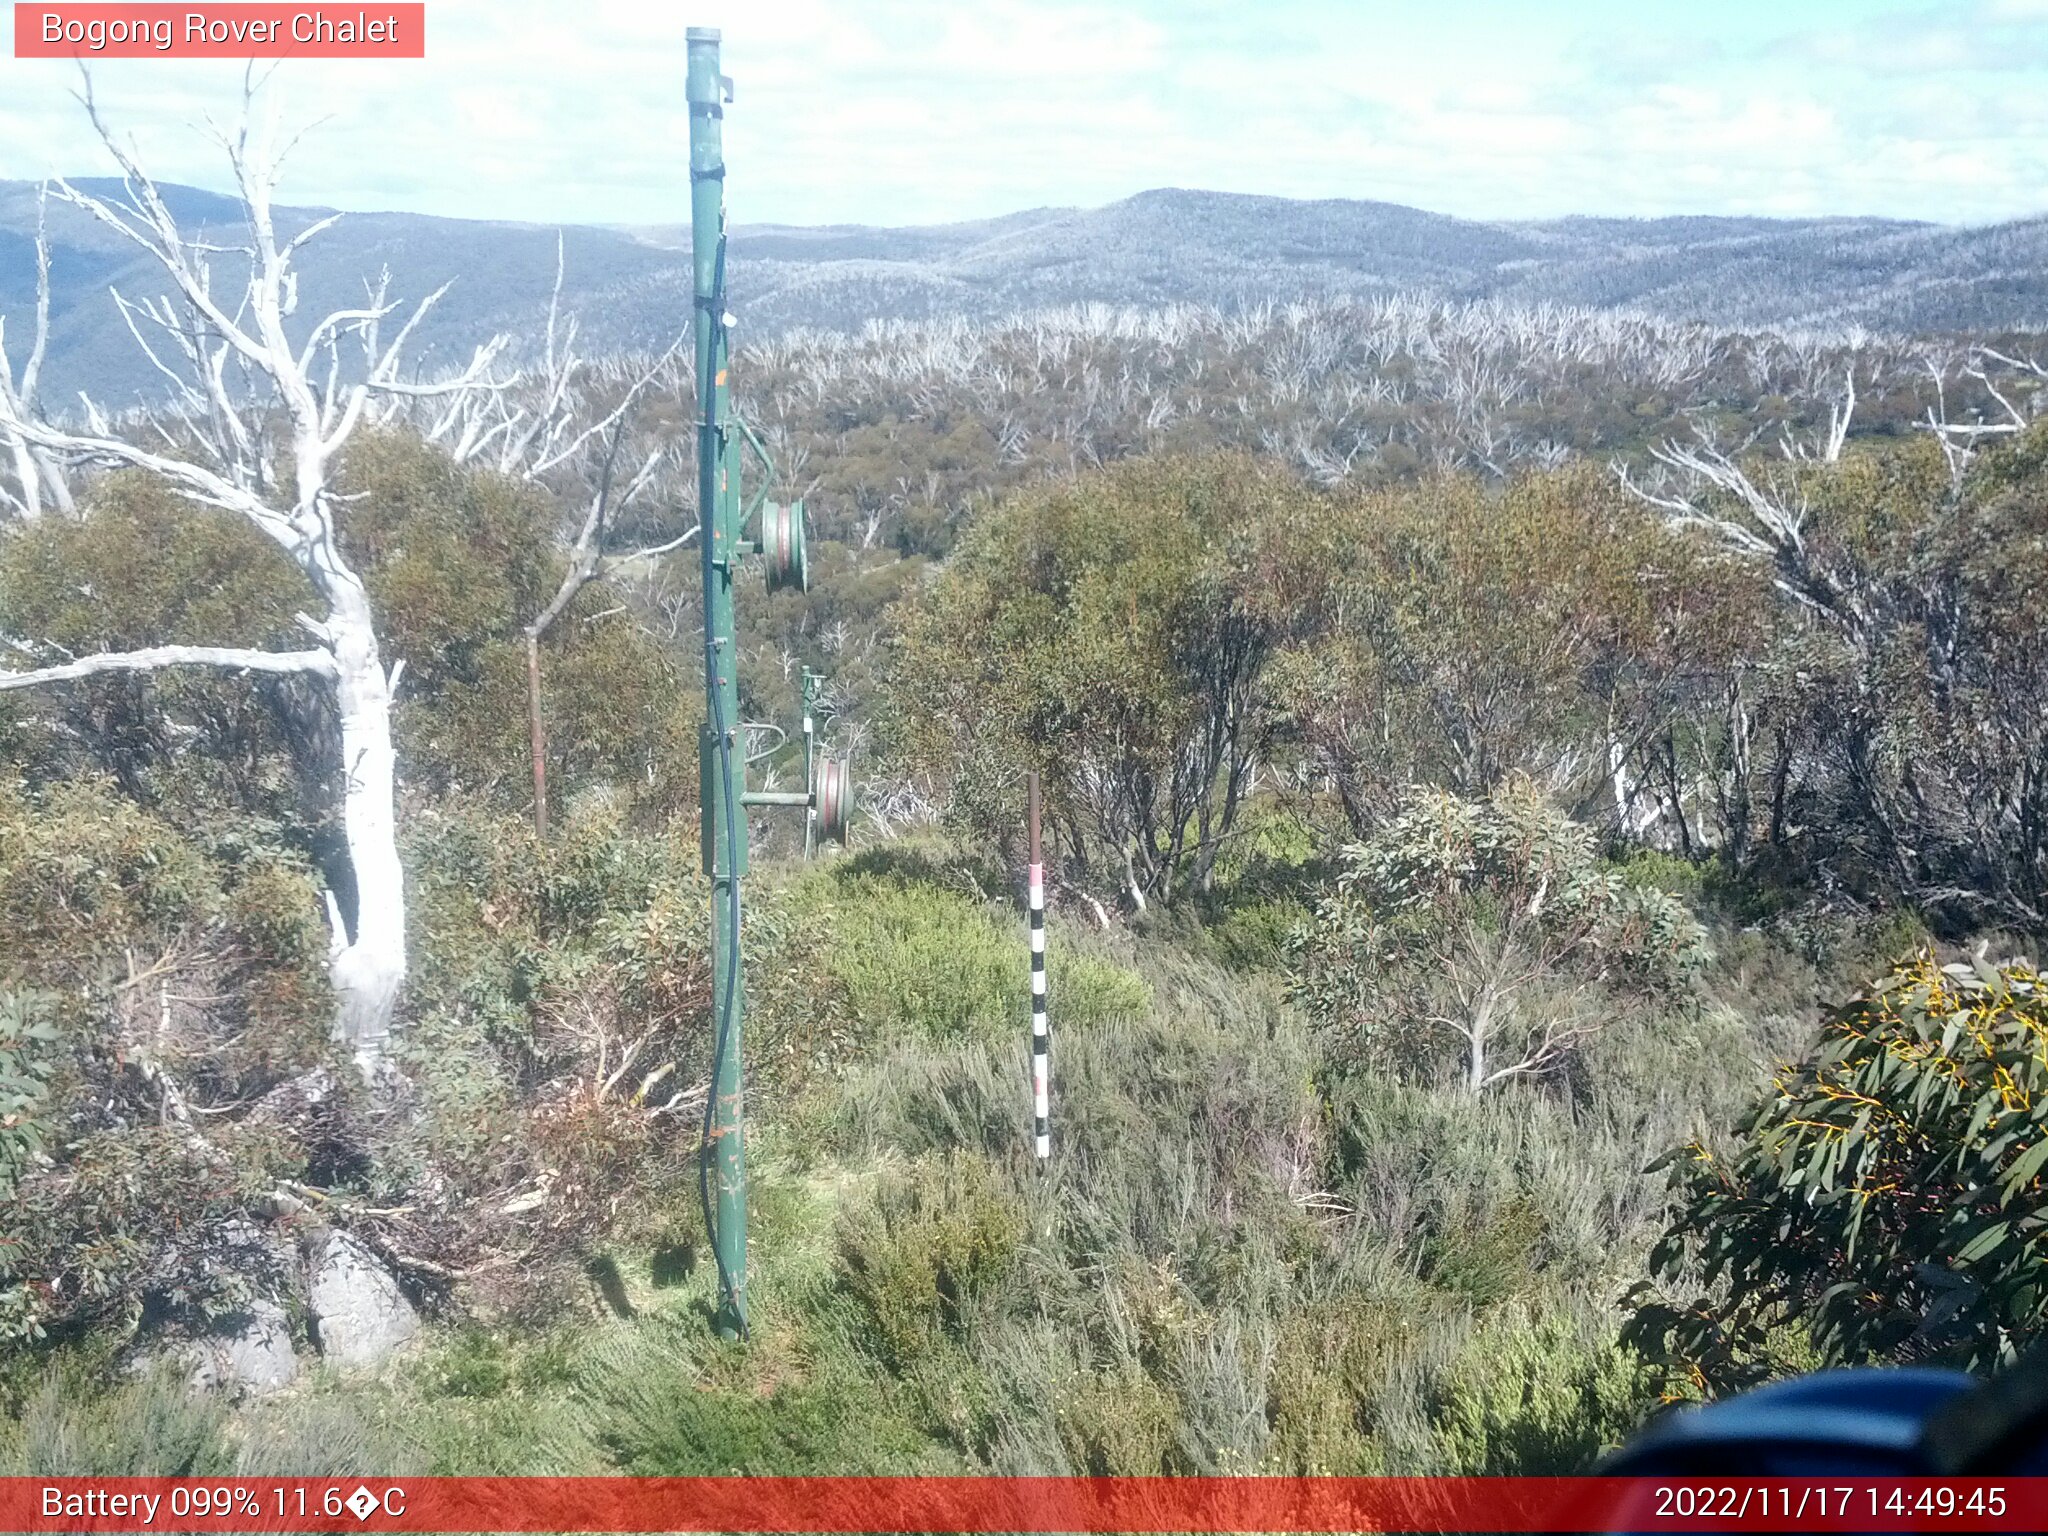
1961	440
1710	489
1757	515
36	474
1840	414
550	426
241	379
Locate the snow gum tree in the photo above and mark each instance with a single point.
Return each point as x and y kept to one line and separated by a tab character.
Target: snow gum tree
261	406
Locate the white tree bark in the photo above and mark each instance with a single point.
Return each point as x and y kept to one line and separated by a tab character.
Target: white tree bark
35	475
369	970
158	657
219	455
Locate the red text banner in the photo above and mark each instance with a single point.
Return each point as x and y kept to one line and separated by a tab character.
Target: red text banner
974	1504
235	31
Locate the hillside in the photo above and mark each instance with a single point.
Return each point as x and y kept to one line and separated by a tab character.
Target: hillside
1485	828
1159	247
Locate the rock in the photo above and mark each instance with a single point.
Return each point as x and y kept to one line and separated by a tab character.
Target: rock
249	1354
360	1316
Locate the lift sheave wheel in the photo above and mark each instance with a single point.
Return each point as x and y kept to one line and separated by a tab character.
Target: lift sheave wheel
782	547
834	799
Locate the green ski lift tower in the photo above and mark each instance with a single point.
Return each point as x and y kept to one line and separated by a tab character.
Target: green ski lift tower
779	539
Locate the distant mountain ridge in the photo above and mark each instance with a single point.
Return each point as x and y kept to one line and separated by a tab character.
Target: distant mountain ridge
630	284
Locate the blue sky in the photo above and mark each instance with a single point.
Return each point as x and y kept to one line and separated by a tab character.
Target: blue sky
913	111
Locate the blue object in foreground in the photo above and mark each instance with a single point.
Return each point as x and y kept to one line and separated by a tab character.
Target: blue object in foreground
1837	1422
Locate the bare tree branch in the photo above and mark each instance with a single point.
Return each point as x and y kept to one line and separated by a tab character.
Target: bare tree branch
156	658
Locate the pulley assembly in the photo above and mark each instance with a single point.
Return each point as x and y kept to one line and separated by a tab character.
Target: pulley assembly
781	544
832	799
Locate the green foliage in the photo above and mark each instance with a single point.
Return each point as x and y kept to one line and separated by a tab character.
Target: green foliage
329	1431
79	1417
1536	1396
27	1059
560	996
929	1255
158	977
86	874
1490	922
1329	1359
87	877
474	1364
211	579
788	1404
1119	1423
905	955
142	1218
70	1425
1228	1270
1258	1248
1514	859
1656	870
922	962
1478	635
195	745
1255	936
1113	633
1907	713
1889	1197
457	563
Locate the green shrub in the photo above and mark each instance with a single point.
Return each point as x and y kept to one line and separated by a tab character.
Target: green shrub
144	1219
1333	1357
180	989
1255	936
910	960
788	1404
73	1424
1890	1196
28	1040
1084	990
457	561
928	1255
1487	933
206	750
1538	1397
473	1364
85	875
923	963
328	1429
1120	1423
1484	1262
1654	869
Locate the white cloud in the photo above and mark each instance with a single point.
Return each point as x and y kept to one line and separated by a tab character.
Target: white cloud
921	110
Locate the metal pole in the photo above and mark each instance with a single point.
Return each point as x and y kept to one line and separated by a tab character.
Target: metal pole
725	833
1041	1039
810	773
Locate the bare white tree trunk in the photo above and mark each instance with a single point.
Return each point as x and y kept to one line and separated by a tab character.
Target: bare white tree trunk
368	969
1617	779
35	474
28	479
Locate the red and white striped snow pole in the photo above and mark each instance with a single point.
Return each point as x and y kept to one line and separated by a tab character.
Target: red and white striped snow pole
1041	1040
